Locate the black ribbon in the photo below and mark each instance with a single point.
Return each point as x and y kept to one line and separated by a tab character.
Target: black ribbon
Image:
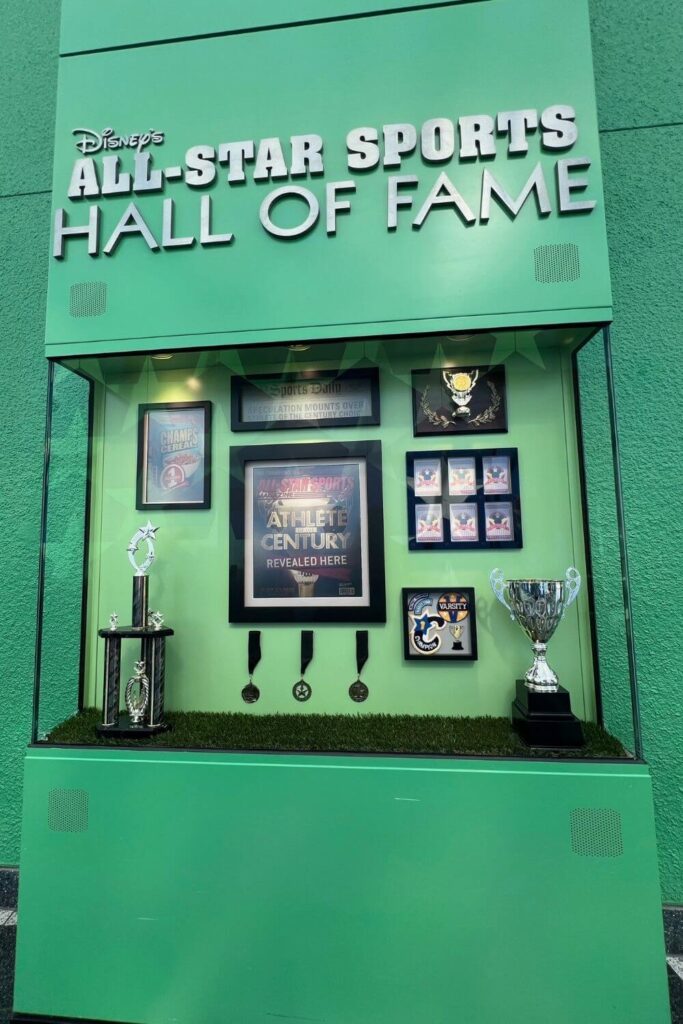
254	649
306	649
361	649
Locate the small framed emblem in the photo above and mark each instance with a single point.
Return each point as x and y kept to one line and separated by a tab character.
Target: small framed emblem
462	477
459	400
464	499
496	474
465	522
499	521
439	624
428	478
429	524
174	456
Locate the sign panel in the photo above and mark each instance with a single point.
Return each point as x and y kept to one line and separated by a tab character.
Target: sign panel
316	398
434	190
128	22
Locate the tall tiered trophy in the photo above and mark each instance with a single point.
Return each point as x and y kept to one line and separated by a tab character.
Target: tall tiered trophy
541	711
144	692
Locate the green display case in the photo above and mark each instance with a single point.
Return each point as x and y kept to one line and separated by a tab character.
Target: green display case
332	375
155	441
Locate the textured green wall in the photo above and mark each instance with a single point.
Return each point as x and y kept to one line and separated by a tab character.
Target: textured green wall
637	51
637	61
28	77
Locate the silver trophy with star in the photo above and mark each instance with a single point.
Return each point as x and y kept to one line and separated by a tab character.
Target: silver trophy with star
144	692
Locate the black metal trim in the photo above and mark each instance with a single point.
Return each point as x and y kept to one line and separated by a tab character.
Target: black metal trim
86	542
40	601
588	551
40	1018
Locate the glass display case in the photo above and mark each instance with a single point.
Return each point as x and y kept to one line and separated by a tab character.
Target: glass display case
333	546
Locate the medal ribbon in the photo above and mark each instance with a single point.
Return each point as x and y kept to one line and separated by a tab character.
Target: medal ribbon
254	650
306	649
361	649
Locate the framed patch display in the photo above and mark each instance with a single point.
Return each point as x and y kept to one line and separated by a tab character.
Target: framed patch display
174	456
439	624
463	499
459	400
311	398
307	535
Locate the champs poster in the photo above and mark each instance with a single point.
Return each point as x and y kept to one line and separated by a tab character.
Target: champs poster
308	533
175	456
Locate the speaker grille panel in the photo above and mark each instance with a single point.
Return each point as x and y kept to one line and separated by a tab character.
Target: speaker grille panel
555	264
596	832
88	298
67	810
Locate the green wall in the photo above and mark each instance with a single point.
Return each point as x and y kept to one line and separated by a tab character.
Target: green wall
637	61
637	68
28	79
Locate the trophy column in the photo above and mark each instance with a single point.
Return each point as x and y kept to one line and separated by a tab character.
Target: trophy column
112	680
157	648
140	600
144	693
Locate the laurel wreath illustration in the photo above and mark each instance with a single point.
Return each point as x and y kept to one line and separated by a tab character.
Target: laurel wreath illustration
437	420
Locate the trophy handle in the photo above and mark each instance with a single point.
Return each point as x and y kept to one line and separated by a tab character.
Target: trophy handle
572	580
497	580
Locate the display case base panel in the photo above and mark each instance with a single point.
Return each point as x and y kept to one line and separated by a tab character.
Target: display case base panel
546	719
253	888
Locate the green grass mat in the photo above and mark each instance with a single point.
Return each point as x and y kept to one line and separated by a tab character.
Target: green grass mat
387	734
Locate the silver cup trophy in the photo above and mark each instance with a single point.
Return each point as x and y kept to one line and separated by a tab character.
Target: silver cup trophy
539	607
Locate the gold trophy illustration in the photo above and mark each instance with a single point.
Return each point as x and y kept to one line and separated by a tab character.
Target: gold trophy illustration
461	385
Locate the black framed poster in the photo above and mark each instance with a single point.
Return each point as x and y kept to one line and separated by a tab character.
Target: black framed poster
174	456
464	499
311	398
307	540
459	400
439	624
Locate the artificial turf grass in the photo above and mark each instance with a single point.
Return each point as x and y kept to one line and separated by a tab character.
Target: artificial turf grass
373	734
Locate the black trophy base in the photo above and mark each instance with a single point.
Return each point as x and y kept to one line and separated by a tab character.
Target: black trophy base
546	719
126	730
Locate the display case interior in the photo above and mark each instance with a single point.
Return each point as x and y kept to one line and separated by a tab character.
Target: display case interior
325	520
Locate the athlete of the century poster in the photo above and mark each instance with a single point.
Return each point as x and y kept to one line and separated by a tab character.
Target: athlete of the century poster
306	533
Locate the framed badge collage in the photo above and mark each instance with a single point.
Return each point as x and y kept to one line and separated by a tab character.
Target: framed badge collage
306	520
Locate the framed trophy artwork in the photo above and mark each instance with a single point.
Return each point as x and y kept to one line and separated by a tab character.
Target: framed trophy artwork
459	400
311	398
463	499
174	456
307	534
439	624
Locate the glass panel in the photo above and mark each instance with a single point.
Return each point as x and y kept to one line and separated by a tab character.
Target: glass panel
605	542
65	538
198	508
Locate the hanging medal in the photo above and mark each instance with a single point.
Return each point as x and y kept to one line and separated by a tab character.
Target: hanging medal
301	691
358	691
251	693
